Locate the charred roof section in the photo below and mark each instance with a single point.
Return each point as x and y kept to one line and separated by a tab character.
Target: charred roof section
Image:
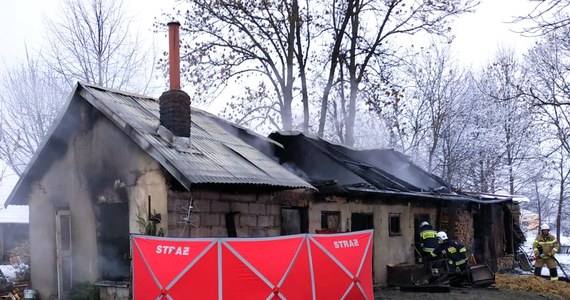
336	168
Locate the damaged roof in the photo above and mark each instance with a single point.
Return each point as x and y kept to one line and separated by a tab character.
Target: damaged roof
212	155
375	171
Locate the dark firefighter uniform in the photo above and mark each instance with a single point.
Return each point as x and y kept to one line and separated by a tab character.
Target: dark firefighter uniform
455	253
549	245
428	240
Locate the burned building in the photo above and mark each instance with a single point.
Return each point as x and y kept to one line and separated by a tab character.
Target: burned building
109	168
382	189
116	163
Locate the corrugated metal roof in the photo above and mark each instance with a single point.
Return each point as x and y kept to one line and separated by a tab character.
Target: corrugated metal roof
12	213
210	155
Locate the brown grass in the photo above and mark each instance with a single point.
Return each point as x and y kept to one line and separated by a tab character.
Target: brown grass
532	284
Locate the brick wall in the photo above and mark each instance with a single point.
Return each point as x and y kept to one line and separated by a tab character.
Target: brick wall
255	215
175	112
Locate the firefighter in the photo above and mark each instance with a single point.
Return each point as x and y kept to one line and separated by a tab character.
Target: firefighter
428	240
545	247
454	252
428	243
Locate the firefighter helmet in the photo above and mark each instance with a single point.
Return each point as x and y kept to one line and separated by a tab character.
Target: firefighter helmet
442	235
424	223
544	227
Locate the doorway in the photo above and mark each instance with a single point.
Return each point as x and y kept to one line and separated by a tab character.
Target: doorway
294	220
63	249
113	238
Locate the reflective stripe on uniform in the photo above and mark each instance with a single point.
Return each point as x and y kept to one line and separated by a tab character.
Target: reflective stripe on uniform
547	242
457	263
428	234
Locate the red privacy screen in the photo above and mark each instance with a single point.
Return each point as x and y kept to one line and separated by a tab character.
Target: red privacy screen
307	266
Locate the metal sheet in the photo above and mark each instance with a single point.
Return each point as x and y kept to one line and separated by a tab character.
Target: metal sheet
210	155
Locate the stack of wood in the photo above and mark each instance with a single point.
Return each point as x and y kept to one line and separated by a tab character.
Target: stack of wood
505	262
464	228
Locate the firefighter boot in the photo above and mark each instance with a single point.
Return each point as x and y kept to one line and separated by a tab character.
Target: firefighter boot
537	271
553	274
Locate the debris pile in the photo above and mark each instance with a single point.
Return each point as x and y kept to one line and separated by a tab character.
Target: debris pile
532	284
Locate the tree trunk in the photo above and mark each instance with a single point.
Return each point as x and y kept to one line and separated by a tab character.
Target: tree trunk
301	62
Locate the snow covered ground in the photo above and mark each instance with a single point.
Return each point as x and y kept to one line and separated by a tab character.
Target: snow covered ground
9	271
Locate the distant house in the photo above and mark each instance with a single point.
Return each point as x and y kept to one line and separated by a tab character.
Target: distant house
116	163
529	221
14	231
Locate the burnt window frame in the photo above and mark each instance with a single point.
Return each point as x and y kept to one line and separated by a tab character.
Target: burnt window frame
324	220
394	230
369	221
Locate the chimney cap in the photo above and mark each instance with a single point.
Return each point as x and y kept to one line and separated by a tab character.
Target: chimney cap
173	23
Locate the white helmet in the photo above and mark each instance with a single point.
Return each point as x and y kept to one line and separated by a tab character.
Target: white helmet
424	223
544	227
442	235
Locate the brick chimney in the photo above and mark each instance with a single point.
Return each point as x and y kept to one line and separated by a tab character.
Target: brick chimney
175	103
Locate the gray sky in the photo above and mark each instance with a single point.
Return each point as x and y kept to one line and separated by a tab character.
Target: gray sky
21	23
477	35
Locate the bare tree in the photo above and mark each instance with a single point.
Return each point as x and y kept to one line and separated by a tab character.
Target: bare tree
499	81
360	49
275	52
546	16
30	100
541	190
92	41
256	47
549	90
438	85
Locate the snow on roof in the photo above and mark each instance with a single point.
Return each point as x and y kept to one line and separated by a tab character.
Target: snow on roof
15	214
12	213
527	212
520	198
